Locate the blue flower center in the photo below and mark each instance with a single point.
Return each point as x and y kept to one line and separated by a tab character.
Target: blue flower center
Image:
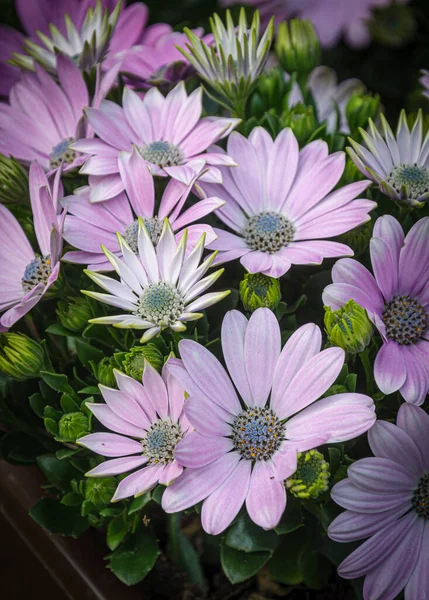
161	304
162	154
161	440
62	152
410	181
405	320
257	433
37	271
268	232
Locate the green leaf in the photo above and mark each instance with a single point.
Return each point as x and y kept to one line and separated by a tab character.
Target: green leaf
245	536
291	518
58	518
66	452
139	503
72	499
285	567
37	403
86	353
157	493
136	557
334	459
51	426
111	511
316	568
58	382
68	404
350	382
116	531
89	390
183	552
239	566
58	472
60	330
19	448
86	508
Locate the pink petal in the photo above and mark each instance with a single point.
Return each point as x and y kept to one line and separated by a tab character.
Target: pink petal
196	450
110	444
389	368
233	333
139	482
415	421
391	442
116	466
266	499
155	388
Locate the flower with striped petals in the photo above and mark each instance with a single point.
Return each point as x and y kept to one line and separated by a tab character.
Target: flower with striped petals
245	445
148	422
387	501
160	287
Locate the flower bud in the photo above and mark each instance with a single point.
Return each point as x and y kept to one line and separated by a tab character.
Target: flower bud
297	46
13	181
258	290
360	108
20	357
358	238
311	477
348	327
99	491
302	120
72	426
74	313
134	360
104	371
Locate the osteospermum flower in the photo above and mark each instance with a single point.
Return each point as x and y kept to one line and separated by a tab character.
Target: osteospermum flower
424	80
387	501
26	276
396	299
148	422
162	289
232	65
246	445
43	118
280	203
86	46
168	132
332	19
89	225
399	165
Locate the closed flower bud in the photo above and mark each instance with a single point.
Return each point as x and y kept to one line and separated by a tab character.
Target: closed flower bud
358	238
258	290
297	46
74	313
20	357
360	108
134	360
99	491
104	371
72	426
348	327
311	477
302	120
13	181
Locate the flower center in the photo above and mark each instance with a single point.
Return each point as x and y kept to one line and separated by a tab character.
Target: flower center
161	440
405	320
160	304
153	226
311	477
269	232
421	497
414	178
37	271
257	433
62	152
163	154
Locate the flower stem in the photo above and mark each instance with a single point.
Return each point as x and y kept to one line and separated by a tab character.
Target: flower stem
366	363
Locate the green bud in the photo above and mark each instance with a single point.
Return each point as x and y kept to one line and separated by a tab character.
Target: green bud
72	426
99	491
393	25
258	290
134	361
348	327
360	108
13	181
104	371
358	238
74	313
271	93
302	120
311	477
20	357
297	46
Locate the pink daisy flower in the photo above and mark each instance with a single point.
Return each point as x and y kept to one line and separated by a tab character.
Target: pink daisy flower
43	118
87	225
148	422
245	446
168	132
281	205
26	276
396	299
386	497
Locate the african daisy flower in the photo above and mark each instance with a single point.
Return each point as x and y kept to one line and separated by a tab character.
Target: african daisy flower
89	225
168	132
43	117
387	501
396	299
400	166
26	276
280	203
148	422
162	289
424	80
245	446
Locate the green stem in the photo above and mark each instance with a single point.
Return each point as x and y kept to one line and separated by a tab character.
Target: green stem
366	363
